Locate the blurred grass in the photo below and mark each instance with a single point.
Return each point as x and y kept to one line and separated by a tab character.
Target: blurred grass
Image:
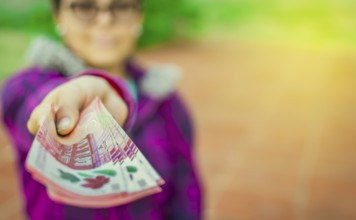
316	23
12	49
313	22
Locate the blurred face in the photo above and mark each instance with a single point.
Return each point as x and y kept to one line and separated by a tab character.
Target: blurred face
101	32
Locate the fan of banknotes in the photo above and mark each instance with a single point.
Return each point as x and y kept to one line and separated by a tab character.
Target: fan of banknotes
96	166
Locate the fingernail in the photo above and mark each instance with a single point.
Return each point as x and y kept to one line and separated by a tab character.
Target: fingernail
63	124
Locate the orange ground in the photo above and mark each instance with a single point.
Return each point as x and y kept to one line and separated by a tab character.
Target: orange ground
276	130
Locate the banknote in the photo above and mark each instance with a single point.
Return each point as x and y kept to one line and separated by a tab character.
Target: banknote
97	165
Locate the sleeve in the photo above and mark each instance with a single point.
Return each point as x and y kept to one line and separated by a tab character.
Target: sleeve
20	94
24	91
187	198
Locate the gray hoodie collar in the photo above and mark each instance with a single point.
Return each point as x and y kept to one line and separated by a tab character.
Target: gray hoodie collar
159	80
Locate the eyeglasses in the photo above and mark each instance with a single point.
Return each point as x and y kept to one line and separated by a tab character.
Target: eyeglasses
119	10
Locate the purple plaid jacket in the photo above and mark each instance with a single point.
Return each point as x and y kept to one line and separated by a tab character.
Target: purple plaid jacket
162	130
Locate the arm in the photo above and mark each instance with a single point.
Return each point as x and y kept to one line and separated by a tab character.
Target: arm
26	91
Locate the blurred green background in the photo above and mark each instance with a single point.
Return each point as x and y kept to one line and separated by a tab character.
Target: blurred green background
283	75
300	22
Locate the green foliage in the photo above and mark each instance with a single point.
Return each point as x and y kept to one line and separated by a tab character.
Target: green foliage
164	20
35	18
167	20
13	46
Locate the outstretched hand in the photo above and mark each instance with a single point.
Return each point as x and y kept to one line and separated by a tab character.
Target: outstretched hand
70	98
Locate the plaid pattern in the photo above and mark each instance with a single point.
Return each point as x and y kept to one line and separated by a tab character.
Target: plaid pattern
162	130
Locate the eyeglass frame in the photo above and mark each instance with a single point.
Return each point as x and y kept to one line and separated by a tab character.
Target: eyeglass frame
135	7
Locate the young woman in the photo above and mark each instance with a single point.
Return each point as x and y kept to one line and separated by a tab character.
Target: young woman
99	38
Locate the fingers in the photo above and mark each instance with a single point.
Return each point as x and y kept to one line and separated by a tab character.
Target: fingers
69	105
69	99
66	119
117	107
37	117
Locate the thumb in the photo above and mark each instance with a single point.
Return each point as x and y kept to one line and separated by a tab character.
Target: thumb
67	118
